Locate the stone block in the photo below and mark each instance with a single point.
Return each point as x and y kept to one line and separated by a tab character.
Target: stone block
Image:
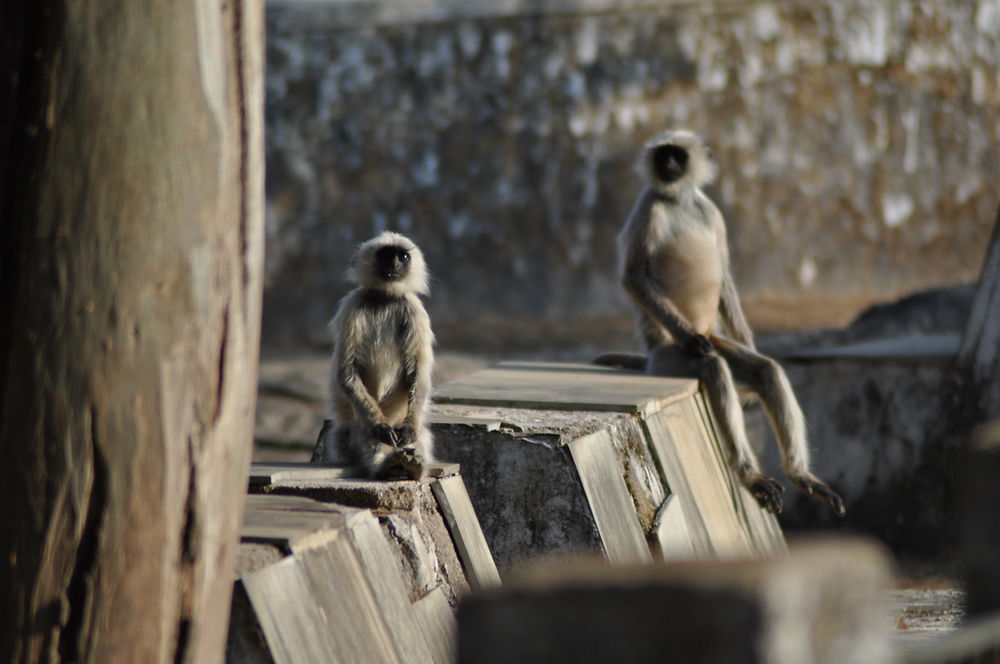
571	458
823	602
880	435
322	580
979	530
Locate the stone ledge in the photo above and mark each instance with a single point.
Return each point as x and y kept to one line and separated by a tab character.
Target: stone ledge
824	602
337	567
549	482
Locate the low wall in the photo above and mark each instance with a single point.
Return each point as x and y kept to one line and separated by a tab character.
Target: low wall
858	145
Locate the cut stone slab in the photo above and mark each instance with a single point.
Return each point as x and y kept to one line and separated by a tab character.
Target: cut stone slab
823	602
569	458
554	386
393	556
727	520
456	508
437	619
608	496
438	541
339	551
673	540
280	473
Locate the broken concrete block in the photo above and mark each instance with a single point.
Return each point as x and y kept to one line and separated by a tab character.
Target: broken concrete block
318	576
424	530
823	602
569	458
322	601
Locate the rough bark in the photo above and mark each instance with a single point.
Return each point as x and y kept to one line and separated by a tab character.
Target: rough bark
130	278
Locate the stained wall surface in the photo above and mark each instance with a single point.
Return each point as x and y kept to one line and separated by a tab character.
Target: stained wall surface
858	143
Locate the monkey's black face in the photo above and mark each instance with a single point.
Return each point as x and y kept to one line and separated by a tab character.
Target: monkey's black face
669	163
392	263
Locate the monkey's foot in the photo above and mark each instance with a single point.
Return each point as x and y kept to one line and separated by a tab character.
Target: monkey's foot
402	464
766	490
819	490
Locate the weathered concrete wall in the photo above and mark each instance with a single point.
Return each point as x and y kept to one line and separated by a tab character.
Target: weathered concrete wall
880	436
858	143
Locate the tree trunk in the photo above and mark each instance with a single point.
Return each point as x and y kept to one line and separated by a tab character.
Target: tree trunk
131	251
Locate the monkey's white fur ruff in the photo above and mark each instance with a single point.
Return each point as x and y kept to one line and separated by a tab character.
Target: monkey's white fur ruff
363	274
701	169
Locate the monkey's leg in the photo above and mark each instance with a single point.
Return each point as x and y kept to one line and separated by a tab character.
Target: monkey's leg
371	447
717	381
337	445
768	380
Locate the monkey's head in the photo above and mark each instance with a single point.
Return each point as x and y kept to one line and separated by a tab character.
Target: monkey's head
389	262
677	161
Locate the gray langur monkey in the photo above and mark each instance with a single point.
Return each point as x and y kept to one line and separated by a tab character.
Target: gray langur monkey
382	361
675	263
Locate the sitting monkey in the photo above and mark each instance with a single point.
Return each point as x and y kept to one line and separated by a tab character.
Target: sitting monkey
675	264
382	361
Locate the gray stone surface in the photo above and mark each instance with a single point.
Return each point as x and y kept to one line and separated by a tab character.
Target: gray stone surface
825	602
525	491
979	533
858	142
880	435
556	482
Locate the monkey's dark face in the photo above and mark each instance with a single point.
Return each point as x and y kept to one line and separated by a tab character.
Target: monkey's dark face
392	263
670	163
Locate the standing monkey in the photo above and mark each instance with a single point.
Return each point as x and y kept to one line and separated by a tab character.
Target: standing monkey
675	262
382	361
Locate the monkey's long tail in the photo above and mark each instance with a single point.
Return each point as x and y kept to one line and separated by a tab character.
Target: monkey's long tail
632	361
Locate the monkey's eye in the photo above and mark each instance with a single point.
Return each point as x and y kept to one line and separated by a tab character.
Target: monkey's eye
404	256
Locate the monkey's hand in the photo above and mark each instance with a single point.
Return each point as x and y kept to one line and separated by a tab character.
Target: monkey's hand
819	490
698	345
767	491
405	435
383	433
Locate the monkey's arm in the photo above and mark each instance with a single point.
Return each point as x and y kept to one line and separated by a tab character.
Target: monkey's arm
348	376
732	313
418	387
417	367
361	399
